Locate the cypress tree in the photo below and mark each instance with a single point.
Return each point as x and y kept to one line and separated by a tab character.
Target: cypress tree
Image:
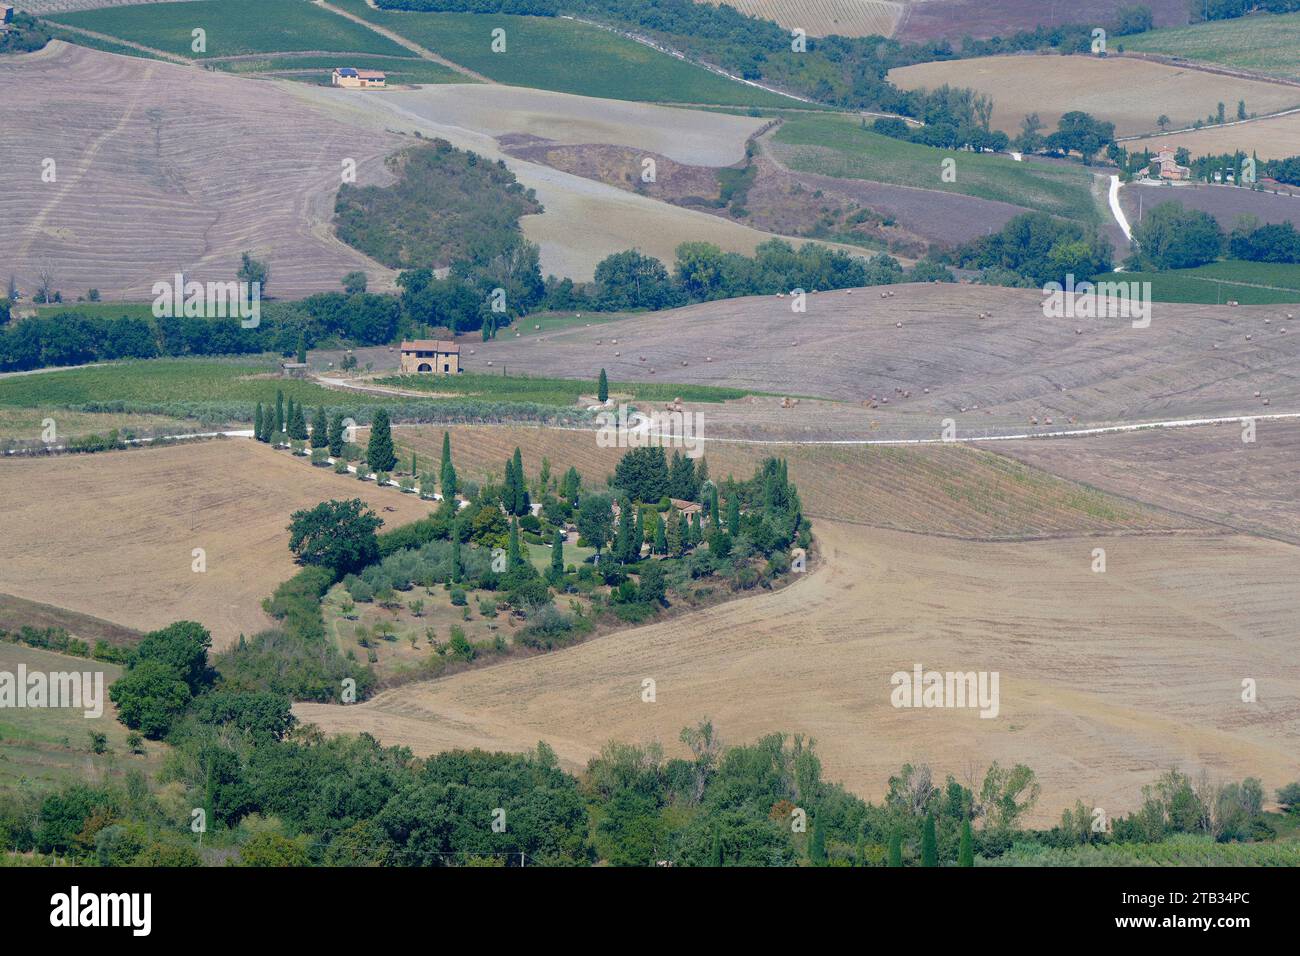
895	848
929	844
320	429
257	422
733	515
715	850
279	411
445	465
379	452
455	552
521	486
713	505
625	543
336	436
661	538
302	348
697	533
817	844
966	852
557	552
513	557
602	387
298	424
673	535
415	470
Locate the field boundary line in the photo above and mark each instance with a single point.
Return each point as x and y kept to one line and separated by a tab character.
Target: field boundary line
1218	69
411	45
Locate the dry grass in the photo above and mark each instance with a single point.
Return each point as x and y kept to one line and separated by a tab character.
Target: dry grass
156	176
1130	93
112	535
1206	472
1106	679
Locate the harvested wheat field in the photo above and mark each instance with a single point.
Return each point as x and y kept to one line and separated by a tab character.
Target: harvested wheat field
1208	473
1105	679
823	18
942	489
688	136
1275	137
162	168
987	374
1130	93
112	534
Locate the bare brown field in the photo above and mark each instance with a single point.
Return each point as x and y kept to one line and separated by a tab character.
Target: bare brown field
112	535
821	18
163	168
1130	93
1275	137
1224	203
954	19
1105	679
1206	472
985	374
943	489
16	613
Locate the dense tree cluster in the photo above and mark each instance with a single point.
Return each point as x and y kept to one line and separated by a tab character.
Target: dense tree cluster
1035	248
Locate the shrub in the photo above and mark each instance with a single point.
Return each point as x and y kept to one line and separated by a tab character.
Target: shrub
458	597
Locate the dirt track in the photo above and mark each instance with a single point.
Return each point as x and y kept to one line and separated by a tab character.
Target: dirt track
1106	679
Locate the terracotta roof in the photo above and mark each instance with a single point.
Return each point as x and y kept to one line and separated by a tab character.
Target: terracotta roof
372	74
431	345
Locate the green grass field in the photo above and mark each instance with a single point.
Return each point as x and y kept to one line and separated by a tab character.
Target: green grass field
1220	282
222	390
1265	43
553	54
42	750
850	152
233	27
317	69
555	391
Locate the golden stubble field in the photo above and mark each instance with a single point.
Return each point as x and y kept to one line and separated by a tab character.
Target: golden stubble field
952	490
1105	679
1130	93
113	534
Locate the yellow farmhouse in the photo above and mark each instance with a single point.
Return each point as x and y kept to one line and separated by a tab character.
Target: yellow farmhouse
355	79
430	356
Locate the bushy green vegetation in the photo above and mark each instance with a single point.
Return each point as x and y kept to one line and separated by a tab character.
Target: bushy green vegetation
478	205
1033	249
25	34
564	55
843	147
233	28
